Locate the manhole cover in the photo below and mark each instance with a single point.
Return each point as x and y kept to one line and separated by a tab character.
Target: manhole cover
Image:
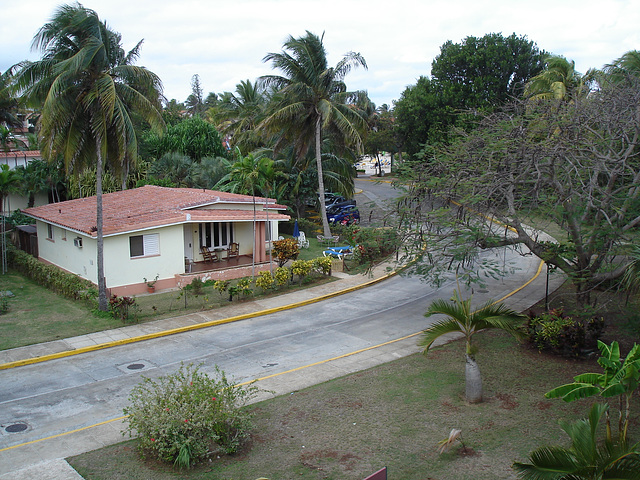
136	366
16	427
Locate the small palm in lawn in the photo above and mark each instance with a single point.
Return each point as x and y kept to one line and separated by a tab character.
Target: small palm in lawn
461	319
586	458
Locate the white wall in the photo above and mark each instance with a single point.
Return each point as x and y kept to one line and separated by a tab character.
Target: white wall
119	268
61	251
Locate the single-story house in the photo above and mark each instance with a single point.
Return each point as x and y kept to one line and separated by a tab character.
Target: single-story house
157	231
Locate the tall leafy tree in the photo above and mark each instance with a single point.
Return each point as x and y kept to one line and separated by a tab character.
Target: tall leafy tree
485	72
475	75
193	137
88	87
195	101
460	318
312	101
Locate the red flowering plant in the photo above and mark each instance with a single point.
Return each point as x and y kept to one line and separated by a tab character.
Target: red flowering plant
187	416
120	306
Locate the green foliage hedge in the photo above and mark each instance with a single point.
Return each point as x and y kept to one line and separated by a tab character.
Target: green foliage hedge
49	276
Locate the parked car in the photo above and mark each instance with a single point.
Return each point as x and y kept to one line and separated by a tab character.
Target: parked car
337	207
346	216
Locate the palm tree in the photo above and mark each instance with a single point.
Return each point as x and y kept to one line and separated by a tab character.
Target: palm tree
88	87
34	178
9	183
585	459
460	319
559	80
247	175
624	68
312	101
238	115
8	102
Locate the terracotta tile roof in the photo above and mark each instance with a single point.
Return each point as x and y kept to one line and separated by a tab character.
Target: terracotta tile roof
20	153
152	206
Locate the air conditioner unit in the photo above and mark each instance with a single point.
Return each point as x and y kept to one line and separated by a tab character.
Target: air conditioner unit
77	242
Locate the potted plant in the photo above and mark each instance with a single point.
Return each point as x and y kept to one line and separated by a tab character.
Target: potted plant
151	284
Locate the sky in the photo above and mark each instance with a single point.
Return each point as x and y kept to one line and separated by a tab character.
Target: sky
224	42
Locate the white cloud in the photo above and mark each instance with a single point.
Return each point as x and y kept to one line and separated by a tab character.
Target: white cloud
224	42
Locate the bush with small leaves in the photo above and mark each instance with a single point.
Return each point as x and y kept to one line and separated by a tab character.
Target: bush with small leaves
221	286
301	268
564	335
322	265
282	276
285	250
188	416
265	280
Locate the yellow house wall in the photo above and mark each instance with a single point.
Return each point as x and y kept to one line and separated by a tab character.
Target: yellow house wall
121	269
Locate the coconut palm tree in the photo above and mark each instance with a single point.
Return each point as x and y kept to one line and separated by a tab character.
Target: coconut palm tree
88	88
8	101
586	458
559	80
461	319
626	67
238	115
311	101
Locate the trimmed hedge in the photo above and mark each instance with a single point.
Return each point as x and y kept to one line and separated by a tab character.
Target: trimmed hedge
49	276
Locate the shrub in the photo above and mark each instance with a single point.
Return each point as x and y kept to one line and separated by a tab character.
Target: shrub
282	276
221	286
372	243
285	250
119	307
564	335
4	303
265	280
322	265
187	416
51	277
301	268
196	286
243	287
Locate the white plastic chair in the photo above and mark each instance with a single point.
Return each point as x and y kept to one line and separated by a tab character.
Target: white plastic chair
303	241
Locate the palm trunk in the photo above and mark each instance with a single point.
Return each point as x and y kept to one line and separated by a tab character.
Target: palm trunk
323	207
102	285
473	388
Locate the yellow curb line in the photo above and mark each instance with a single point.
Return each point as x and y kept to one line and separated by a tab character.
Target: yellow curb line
345	355
173	331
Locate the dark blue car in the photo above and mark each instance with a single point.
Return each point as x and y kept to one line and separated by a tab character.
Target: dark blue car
345	216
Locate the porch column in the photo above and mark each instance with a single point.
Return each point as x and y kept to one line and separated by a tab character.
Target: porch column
259	250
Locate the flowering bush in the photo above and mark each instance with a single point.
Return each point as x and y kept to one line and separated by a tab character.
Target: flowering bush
282	275
119	306
221	286
265	280
322	265
186	416
302	268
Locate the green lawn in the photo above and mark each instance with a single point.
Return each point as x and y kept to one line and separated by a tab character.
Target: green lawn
37	315
393	415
